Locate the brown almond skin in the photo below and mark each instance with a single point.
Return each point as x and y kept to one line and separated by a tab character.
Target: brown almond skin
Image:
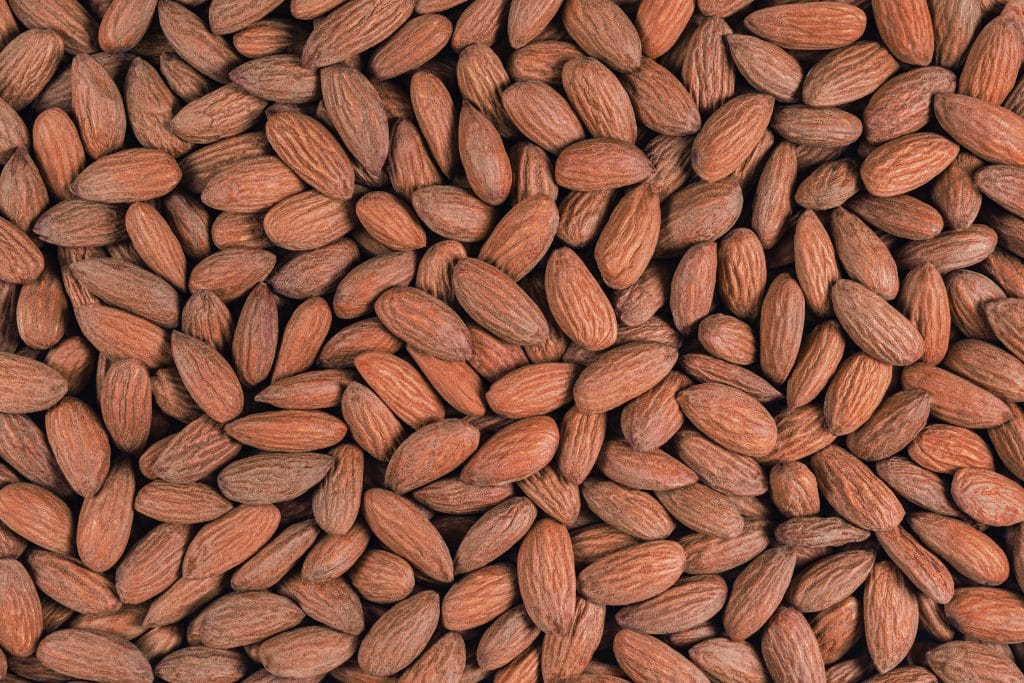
678	340
430	453
791	653
758	592
513	453
102	657
753	433
408	313
244	618
547	579
396	639
877	328
603	385
615	579
18	595
848	485
986	613
399	526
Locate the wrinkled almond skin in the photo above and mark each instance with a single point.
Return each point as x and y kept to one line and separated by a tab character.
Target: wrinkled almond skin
525	340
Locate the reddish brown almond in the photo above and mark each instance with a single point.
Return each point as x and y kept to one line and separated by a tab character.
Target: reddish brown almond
329	601
599	99
180	503
401	387
965	660
987	497
892	426
31	386
542	115
829	580
221	115
398	637
799	28
71	584
389	221
23	627
848	485
488	169
430	453
577	303
647	659
94	655
106	179
27	64
349	97
97	105
496	530
353	29
37	515
479	597
23	261
382	577
80	445
494	301
400	527
967	550
603	384
424	322
782	320
221	545
750	429
105	520
211	662
906	163
603	31
209	379
758	592
198	450
546	576
239	619
926	571
877	328
848	74
636	512
991	132
272	477
616	578
513	453
152	564
652	470
741	121
601	164
791	652
990	614
705	64
308	148
924	301
287	430
111	279
251	185
951	395
903	103
690	602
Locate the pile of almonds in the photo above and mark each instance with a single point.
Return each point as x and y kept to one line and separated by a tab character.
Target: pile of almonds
664	341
